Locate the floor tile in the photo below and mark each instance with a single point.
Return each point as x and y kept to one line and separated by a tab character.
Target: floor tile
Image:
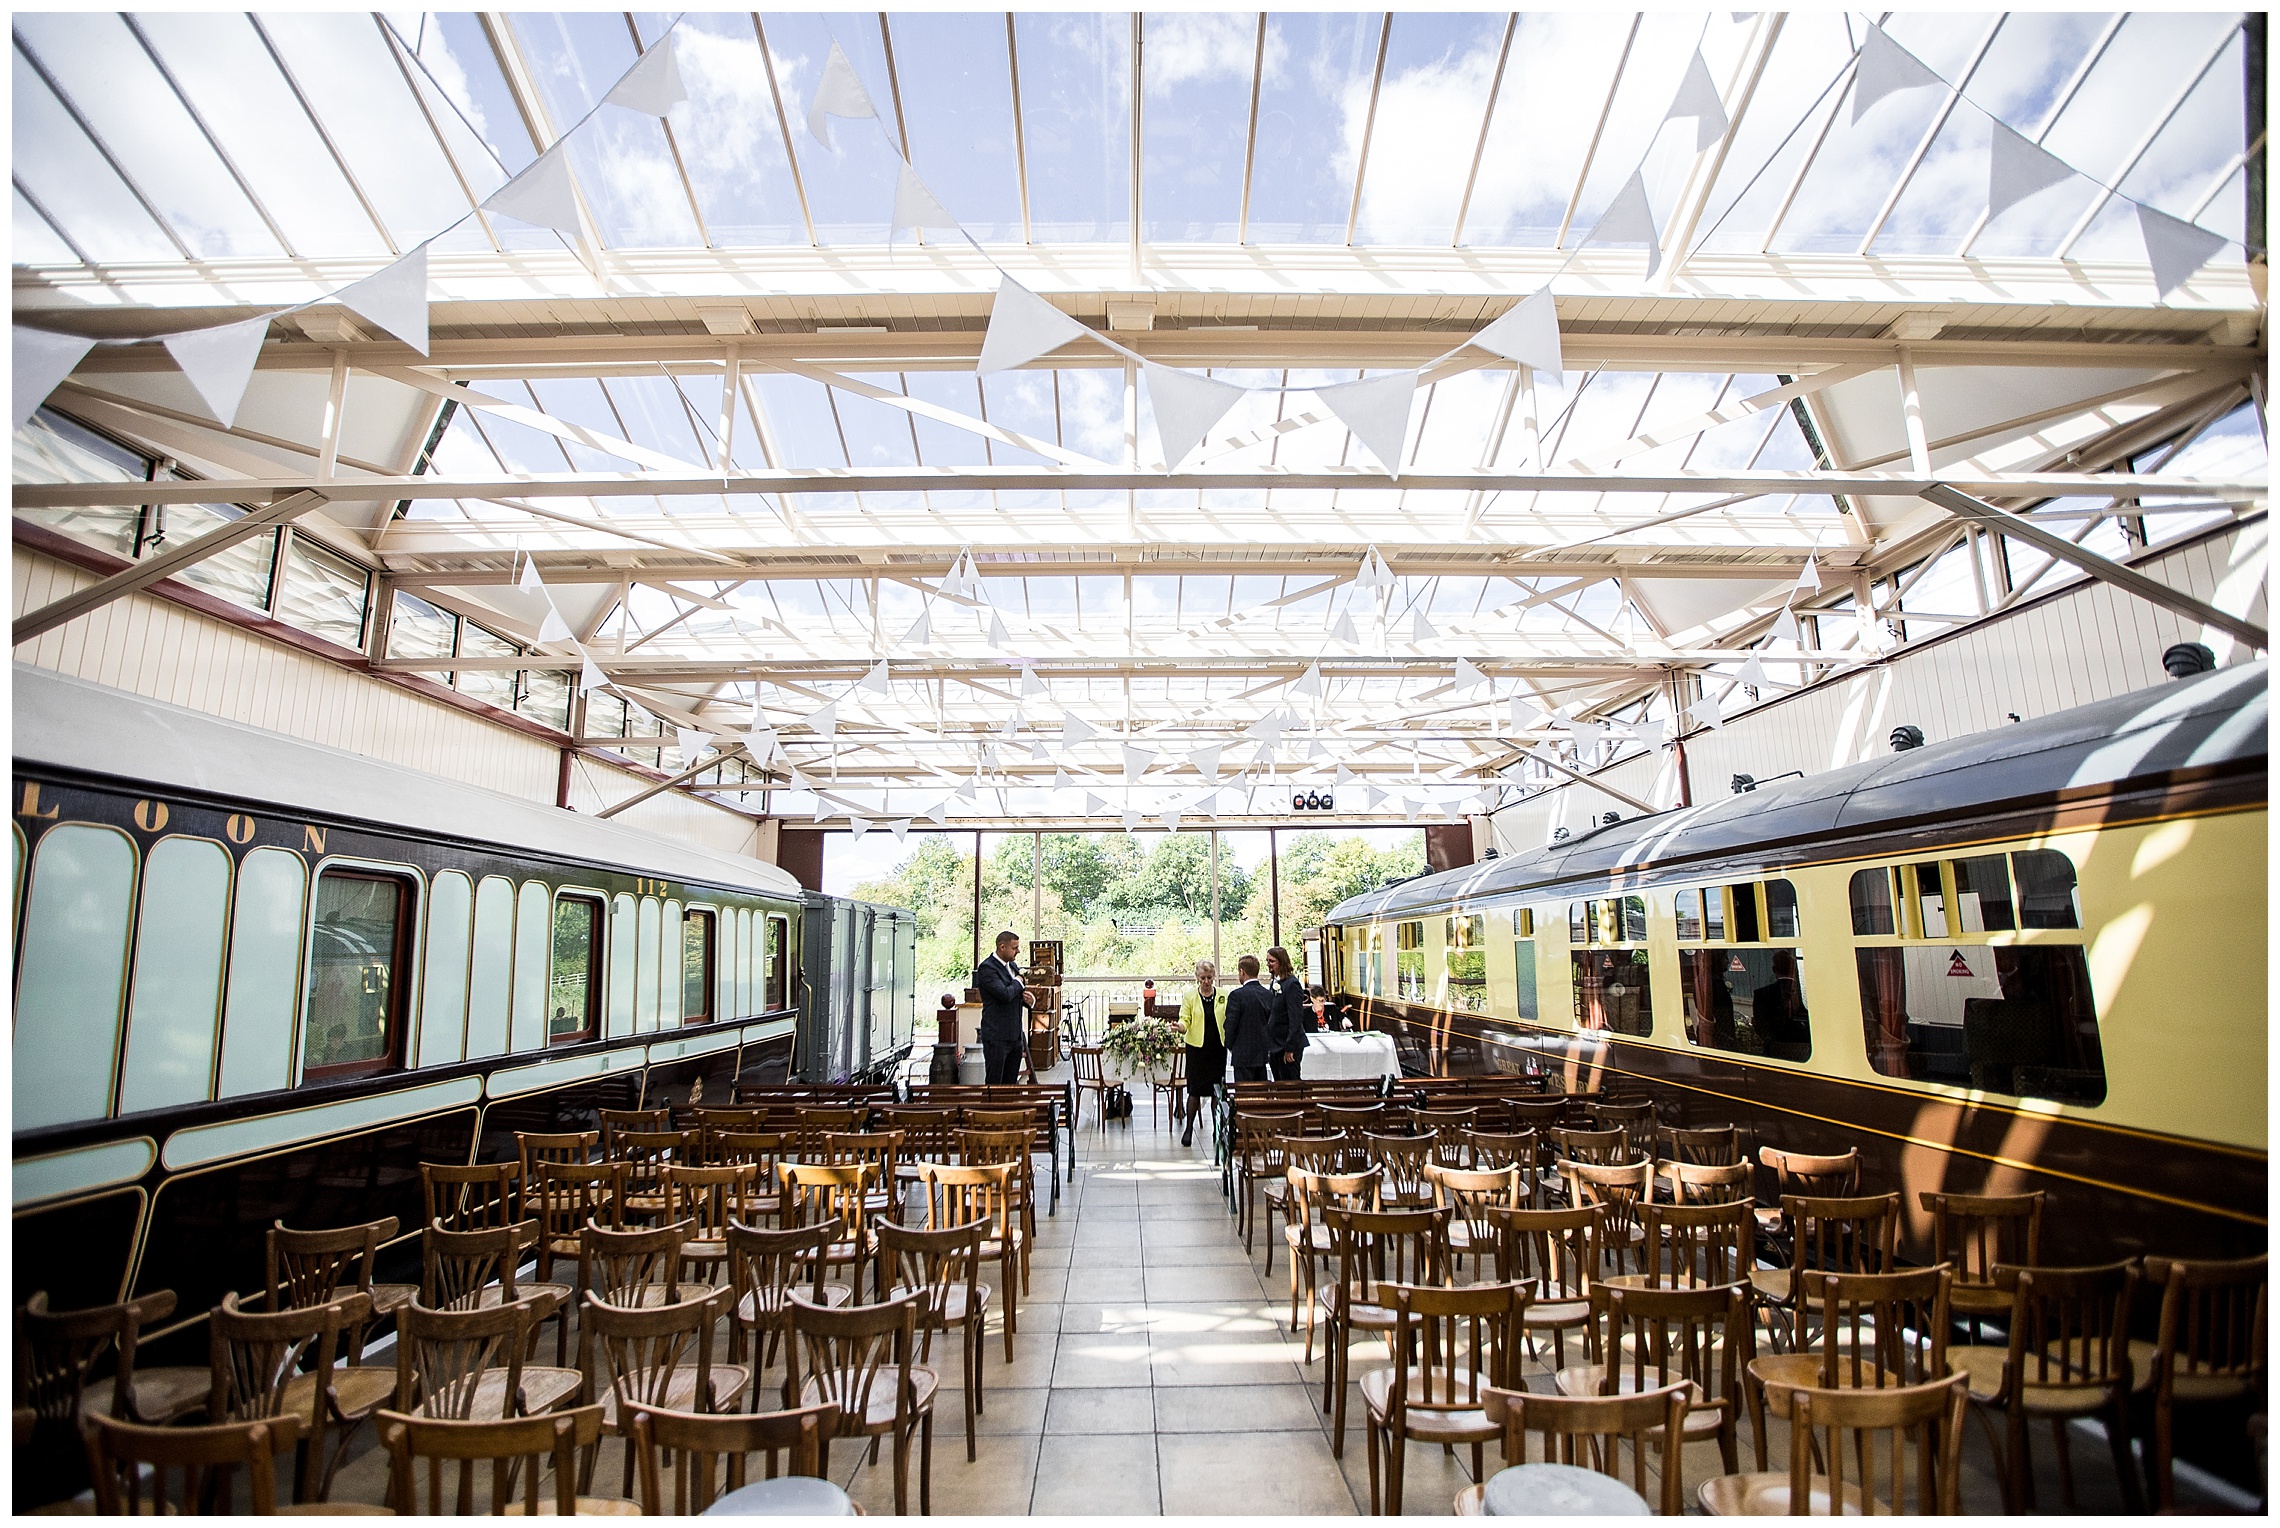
1213	1255
1236	1408
998	1483
1252	1474
1101	1360
1104	1476
1189	1232
1108	1409
1207	1282
1107	1280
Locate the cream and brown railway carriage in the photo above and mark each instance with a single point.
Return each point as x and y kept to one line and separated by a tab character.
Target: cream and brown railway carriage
2031	958
258	979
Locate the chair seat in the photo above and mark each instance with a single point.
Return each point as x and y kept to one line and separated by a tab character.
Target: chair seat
1770	1284
1781	1373
1766	1494
543	1388
953	1302
1978	1300
1983	1368
1703	1419
161	1395
387	1299
879	1410
2189	1387
358	1390
729	1382
1428	1420
1558	1313
771	1301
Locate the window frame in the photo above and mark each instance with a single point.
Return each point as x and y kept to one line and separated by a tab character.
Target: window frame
597	968
776	964
410	889
711	922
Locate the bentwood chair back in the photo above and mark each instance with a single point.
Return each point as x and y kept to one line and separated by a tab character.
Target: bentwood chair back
468	1364
764	1268
1471	1197
460	1270
877	1149
1492	1151
567	1196
1086	1069
539	1457
316	1267
1659	1337
1621	1194
1635	1119
963	1195
645	1155
639	1267
1013	1145
704	1455
861	1358
2211	1348
1591	1432
615	1122
57	1353
563	1148
257	1373
816	1193
1690	1183
1403	1163
186	1471
1373	1251
941	1269
657	1355
1558	1252
1858	1452
1974	1232
1707	1146
460	1197
1449	1346
1698	1246
708	1200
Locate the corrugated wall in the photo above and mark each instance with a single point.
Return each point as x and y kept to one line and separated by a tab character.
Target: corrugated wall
2085	643
162	650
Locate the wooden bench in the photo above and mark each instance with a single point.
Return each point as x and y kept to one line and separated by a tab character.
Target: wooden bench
1054	1098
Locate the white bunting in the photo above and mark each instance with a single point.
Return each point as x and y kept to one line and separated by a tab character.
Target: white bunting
800	782
988	760
1655	733
1264	754
1809	577
1343	776
542	195
1885	67
1873	637
43	359
921	631
551	626
1308	683
1373	575
528	580
395	299
1023	326
839	93
1785	627
1344	631
590	675
2175	248
1187	405
1317	749
1170	820
1421	629
1527	332
1268	727
1706	712
822	810
1630	220
1031	684
1075	729
691	743
1011	725
824	722
876	680
219	363
1094	806
653	85
1129	818
1136	762
1376	409
965	791
857	827
917	207
998	637
939	813
2017	169
900	827
1753	673
1039	753
1061	780
1468	675
1698	98
1206	761
762	744
1525	717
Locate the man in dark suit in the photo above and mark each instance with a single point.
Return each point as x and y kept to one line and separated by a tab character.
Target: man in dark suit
1293	1016
1250	1010
1005	1011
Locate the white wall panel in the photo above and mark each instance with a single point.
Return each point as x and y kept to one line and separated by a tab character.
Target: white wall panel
493	967
264	995
443	988
174	1011
534	936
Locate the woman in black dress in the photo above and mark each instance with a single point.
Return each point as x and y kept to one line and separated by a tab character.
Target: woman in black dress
1206	1053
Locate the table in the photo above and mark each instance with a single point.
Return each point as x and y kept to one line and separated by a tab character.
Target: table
1331	1056
787	1496
1560	1490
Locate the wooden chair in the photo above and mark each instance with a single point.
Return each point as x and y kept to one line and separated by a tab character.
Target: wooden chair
810	1124
568	1196
1828	1428
939	1268
1085	1068
1255	1163
1447	1129
2068	1356
534	1149
1016	1147
465	1365
928	1135
1856	1331
1314	1154
764	1267
1375	1251
1559	1251
1471	1198
303	1268
656	1355
2211	1348
460	1197
1403	1163
1635	1119
860	1358
257	1375
1351	1122
1600	1148
1655	1338
614	1122
519	1452
711	1124
1308	1195
467	1270
1448	1346
1974	1232
1733	1183
1707	1146
1825	1236
58	1351
878	1150
765	1150
1620	1193
1696	1246
816	1193
638	1267
1491	1150
708	1200
1808	1176
186	1471
1539	1115
1171	1089
645	1155
959	1196
1589	1431
693	1446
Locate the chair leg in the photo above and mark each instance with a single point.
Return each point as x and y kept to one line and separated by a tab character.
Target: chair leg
2065	1462
2022	1462
926	1463
1395	1461
902	1469
1338	1412
2164	1472
1370	1431
2118	1439
1756	1392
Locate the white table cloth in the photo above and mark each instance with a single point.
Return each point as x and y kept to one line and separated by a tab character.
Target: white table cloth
1333	1056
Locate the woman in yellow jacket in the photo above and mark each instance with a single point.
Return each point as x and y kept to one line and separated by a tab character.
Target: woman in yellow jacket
1206	1054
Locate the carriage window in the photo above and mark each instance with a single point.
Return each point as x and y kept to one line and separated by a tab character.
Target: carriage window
1409	960
1467	964
1579	923
1780	910
1872	902
1745	914
1689	905
2046	889
1524	922
1746	1000
1713	913
1524	976
696	967
1930	906
1634	920
2019	1020
1611	991
354	1013
777	997
573	988
1982	895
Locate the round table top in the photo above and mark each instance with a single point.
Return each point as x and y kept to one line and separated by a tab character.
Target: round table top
1561	1490
787	1496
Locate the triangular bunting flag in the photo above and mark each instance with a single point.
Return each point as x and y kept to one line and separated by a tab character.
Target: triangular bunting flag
1075	729
395	299
551	626
938	814
998	637
1031	684
762	744
1706	712
1785	627
857	827
824	722
1753	673
1468	676
1136	762
1170	820
1630	220
822	810
691	743
1698	98
1342	776
1039	753
1525	717
922	630
1187	406
590	675
542	195
219	363
1308	683
839	93
528	581
653	85
1528	332
1023	326
1376	409
1421	629
1206	761
1344	631
1371	576
1129	819
2177	249
800	782
1268	727
876	680
1809	576
900	827
43	359
1885	67
1061	780
2017	169
917	207
1094	806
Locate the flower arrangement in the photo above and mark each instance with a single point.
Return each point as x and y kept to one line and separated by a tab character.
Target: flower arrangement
1144	1045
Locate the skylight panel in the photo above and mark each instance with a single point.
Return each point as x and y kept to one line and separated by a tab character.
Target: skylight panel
1076	104
654	414
460	58
877	435
1638	135
59	165
800	411
945	445
1804	86
1438	70
35	242
128	104
2204	135
1194	122
232	81
624	165
957	95
1311	110
731	141
851	187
